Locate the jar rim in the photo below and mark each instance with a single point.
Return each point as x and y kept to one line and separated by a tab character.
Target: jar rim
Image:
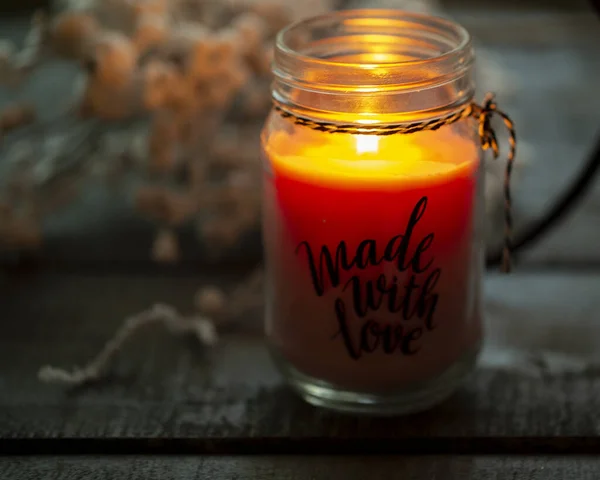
416	19
371	62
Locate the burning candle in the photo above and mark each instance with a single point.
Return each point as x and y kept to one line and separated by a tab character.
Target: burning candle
372	211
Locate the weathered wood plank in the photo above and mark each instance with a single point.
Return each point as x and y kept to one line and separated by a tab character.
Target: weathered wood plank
519	26
568	6
17	8
533	28
231	397
300	468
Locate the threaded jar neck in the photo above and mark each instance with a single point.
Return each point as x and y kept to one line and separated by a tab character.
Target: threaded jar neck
373	66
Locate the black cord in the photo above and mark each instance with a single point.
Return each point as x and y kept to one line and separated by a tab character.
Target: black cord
565	203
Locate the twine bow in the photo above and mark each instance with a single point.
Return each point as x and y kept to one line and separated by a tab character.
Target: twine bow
487	136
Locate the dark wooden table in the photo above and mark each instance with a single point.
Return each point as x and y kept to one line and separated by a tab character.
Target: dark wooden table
173	410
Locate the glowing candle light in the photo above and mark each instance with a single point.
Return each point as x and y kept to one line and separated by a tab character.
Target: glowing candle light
366	143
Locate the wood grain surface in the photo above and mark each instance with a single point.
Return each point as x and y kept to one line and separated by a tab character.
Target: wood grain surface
230	399
301	468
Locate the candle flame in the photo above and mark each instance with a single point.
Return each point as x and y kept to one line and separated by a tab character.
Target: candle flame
367	143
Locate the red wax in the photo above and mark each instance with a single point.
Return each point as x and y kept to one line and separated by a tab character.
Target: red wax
372	257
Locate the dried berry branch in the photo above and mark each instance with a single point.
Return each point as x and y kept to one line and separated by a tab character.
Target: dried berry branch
195	69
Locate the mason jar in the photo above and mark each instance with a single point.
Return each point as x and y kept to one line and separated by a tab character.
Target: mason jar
372	211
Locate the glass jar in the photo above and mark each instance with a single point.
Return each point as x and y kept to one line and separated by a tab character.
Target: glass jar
372	211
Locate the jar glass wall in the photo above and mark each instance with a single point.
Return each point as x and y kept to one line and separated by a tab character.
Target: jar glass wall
373	241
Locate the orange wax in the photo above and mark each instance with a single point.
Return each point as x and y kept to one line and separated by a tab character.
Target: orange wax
373	255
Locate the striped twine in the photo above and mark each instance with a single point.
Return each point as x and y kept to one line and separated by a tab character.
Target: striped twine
487	136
